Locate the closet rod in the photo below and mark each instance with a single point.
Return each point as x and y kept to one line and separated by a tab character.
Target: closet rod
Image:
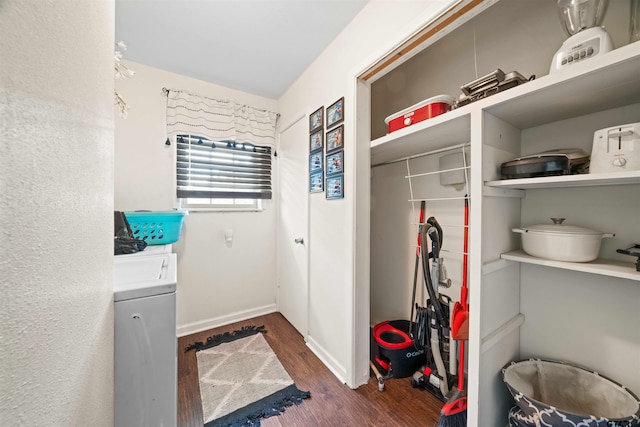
439	199
454	252
442	225
441	171
427	153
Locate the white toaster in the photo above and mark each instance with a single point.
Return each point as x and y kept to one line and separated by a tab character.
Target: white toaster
616	149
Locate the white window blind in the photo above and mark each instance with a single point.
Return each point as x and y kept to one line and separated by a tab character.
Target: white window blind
207	169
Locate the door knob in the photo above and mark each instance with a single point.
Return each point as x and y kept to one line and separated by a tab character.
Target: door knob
299	240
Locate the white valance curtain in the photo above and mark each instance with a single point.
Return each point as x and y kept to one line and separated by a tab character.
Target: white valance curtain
219	120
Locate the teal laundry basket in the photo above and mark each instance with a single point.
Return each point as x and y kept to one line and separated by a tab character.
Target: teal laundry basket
156	227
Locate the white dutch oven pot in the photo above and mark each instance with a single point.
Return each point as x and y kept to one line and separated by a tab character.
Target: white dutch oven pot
561	242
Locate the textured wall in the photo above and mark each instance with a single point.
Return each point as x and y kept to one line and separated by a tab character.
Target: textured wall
56	202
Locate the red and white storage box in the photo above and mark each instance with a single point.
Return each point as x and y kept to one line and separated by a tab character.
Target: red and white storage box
419	112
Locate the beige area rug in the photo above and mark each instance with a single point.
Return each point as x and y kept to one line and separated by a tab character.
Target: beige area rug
242	380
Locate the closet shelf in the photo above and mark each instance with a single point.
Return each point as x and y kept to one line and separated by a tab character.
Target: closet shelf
584	180
445	130
622	270
607	81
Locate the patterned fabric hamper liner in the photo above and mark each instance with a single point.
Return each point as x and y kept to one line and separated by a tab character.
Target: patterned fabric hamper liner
558	394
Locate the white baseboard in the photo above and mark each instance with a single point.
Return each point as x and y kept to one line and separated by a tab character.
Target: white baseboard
203	325
336	368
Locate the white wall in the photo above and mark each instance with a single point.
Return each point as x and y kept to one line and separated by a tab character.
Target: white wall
339	311
56	220
216	284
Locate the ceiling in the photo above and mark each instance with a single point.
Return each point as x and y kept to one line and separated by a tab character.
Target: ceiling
257	46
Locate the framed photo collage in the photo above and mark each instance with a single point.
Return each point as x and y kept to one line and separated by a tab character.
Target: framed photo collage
326	154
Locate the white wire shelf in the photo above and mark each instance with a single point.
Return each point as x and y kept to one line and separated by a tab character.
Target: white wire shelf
438	172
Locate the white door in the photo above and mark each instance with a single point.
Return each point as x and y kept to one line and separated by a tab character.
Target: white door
293	262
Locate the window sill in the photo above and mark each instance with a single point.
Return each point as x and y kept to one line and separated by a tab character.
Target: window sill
223	210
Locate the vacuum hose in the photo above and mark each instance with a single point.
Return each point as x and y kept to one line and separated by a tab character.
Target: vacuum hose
420	326
442	320
432	228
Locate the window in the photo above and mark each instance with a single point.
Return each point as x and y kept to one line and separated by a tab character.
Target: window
222	174
223	151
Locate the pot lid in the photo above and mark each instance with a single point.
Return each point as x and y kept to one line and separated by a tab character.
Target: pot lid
558	227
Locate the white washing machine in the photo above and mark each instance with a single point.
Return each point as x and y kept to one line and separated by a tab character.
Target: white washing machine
145	358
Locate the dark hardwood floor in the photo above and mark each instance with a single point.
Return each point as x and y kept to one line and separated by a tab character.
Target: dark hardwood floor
331	404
